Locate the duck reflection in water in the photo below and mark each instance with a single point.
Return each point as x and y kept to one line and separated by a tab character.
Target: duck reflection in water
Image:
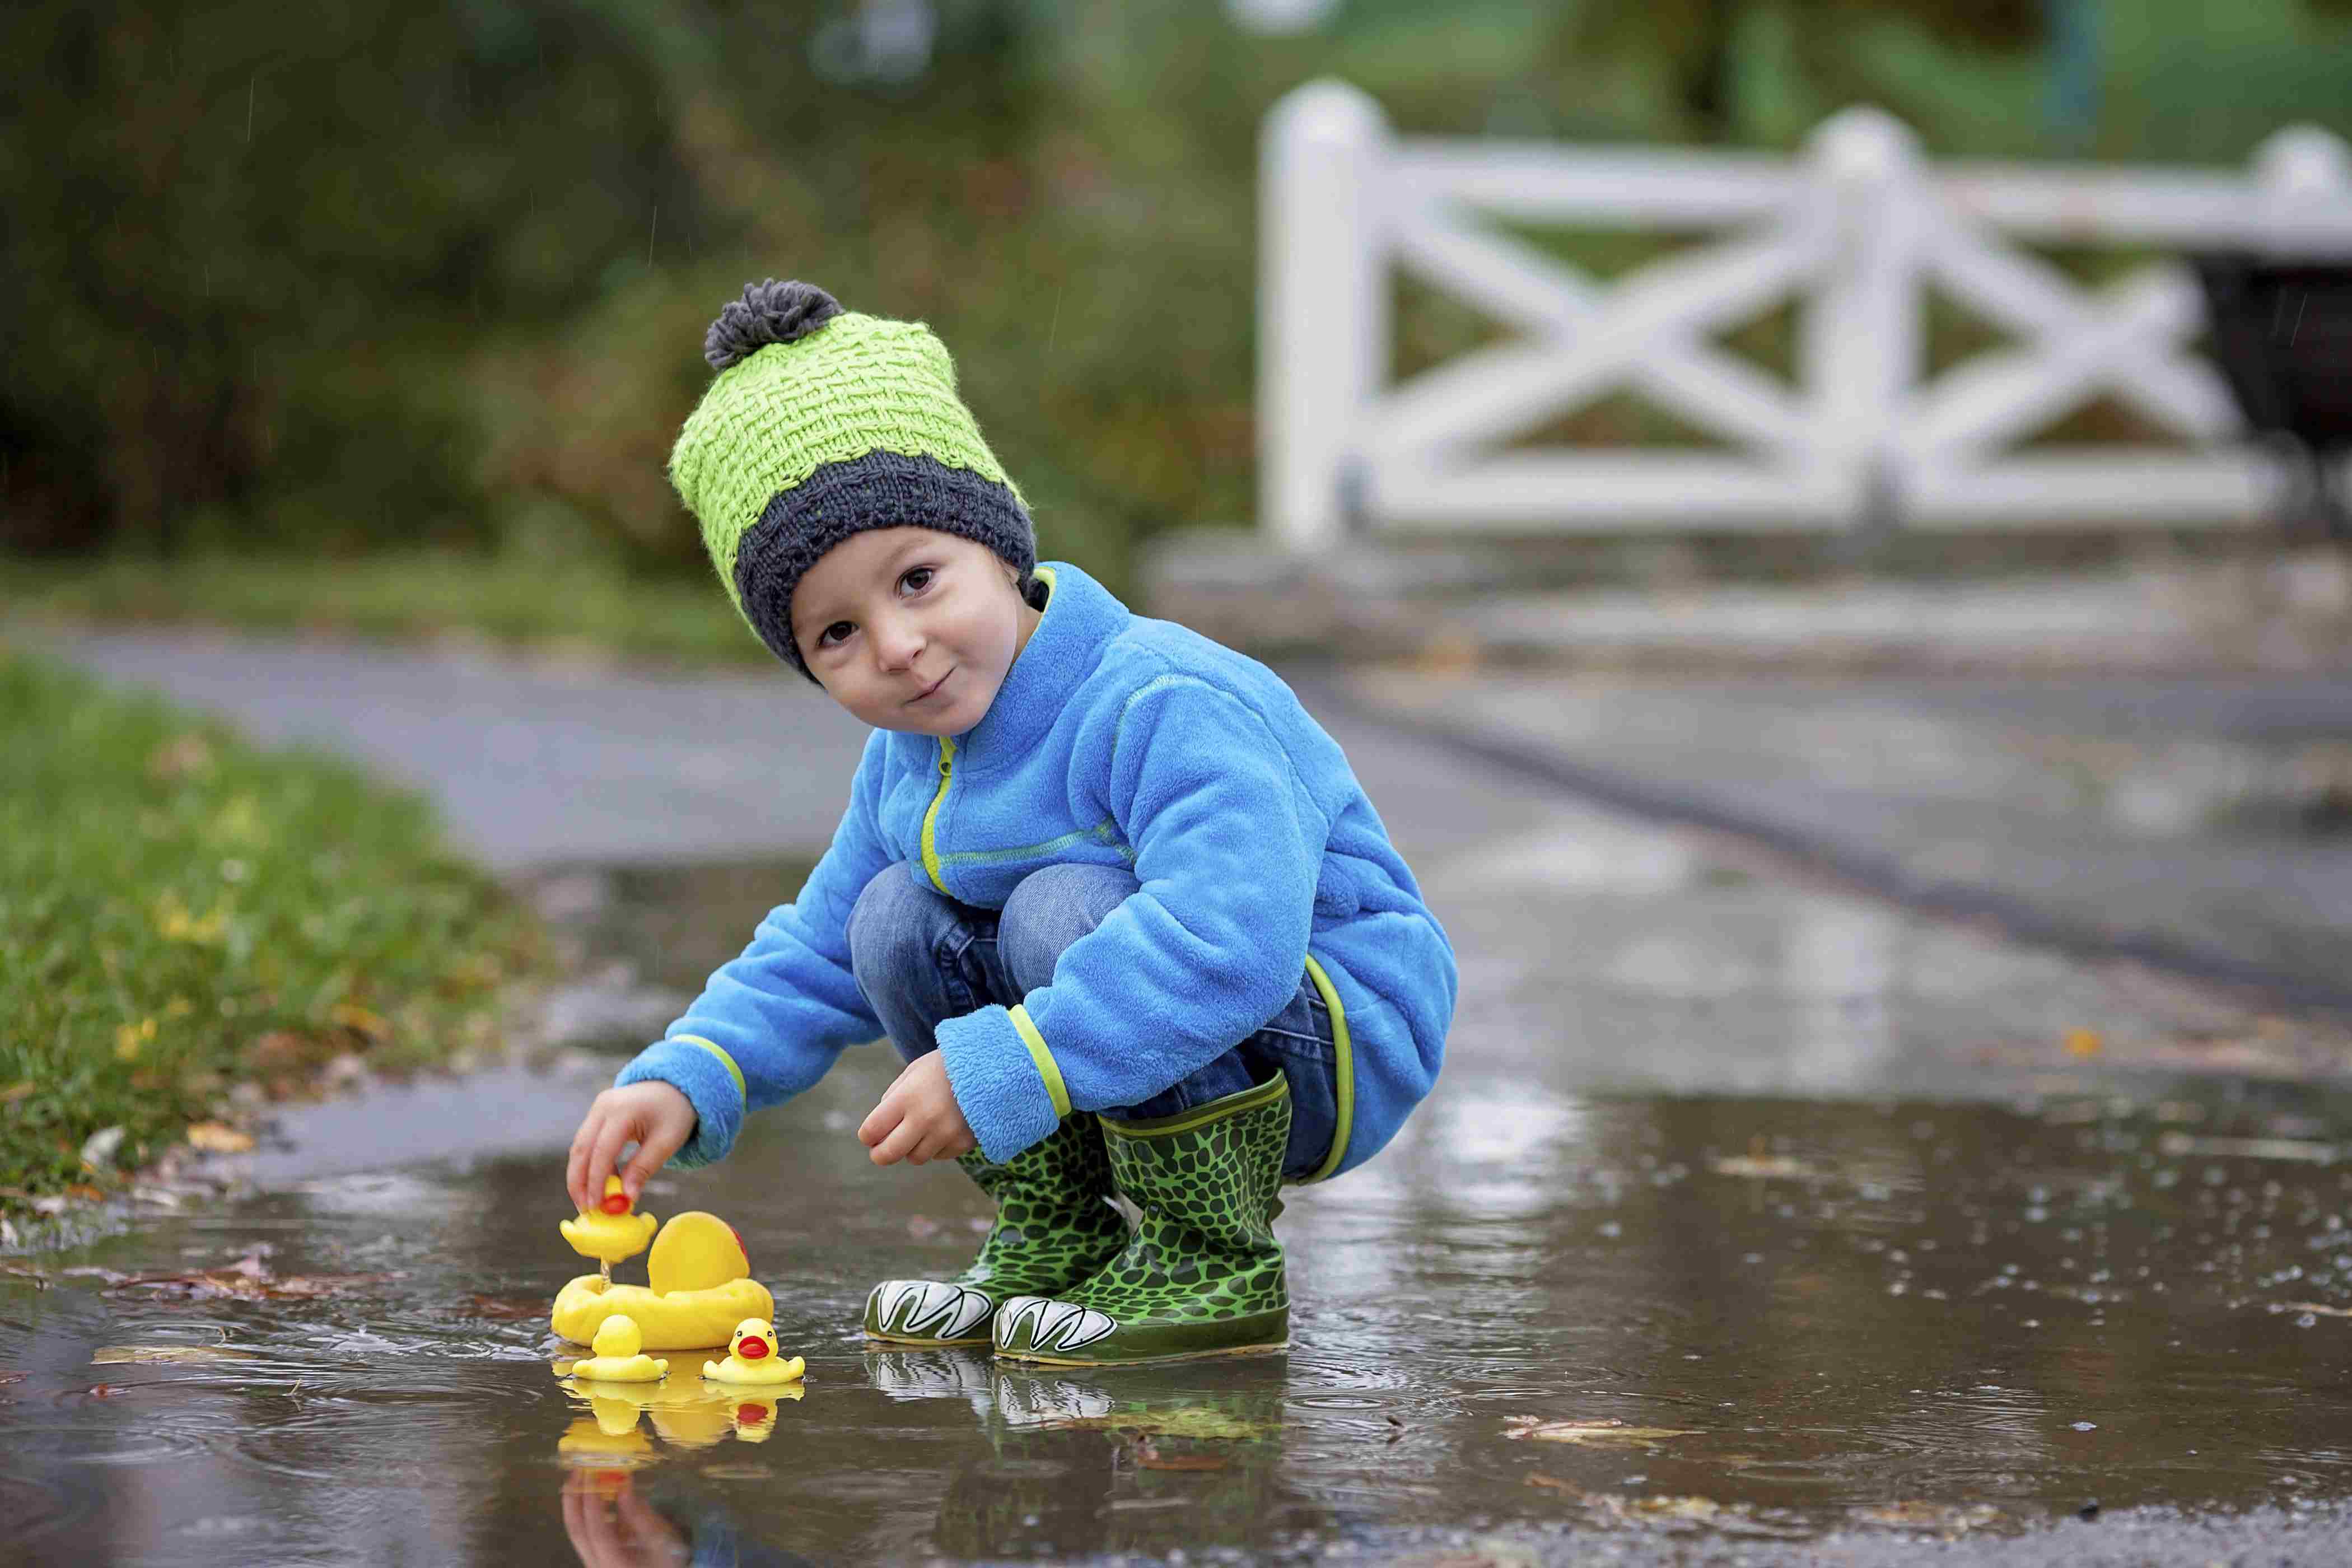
686	1415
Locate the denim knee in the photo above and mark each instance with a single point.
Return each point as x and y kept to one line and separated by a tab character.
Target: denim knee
887	932
1050	909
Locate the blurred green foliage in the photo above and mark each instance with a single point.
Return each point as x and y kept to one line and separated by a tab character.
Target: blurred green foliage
368	275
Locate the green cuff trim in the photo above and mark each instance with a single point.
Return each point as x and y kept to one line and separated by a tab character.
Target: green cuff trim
1343	1078
1046	1069
732	1070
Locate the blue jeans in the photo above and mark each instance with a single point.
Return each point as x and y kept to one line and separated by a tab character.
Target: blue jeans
920	957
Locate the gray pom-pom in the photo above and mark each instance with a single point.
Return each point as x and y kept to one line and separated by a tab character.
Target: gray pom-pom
769	312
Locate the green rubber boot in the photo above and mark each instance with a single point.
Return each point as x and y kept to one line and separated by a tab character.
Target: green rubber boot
1054	1227
1202	1273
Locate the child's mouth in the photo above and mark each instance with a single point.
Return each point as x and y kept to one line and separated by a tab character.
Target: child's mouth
932	690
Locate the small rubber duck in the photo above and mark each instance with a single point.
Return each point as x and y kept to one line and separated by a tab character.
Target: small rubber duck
750	1357
614	1234
618	1359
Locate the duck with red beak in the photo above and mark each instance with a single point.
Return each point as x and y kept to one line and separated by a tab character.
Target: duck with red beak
752	1357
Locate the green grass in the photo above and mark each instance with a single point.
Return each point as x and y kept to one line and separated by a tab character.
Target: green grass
181	912
577	609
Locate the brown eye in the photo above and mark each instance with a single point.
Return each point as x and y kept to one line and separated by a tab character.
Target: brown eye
913	572
825	637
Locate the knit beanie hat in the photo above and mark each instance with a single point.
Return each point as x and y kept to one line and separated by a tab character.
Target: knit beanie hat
822	422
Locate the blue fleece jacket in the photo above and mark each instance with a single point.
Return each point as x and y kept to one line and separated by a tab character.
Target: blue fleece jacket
1116	739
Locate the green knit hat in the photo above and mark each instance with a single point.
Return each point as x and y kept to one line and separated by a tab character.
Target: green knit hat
822	422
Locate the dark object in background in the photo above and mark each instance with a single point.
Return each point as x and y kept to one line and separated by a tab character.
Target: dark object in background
2282	333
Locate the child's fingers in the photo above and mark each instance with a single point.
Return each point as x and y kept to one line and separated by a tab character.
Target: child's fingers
656	1148
575	1168
604	1157
901	1143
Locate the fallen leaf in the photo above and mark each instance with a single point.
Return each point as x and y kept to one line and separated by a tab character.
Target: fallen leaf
353	1016
736	1473
8	1377
102	1391
1694	1508
1593	1434
2083	1042
15	1091
2314	1306
247	1279
166	1355
503	1309
1151	1460
219	1139
1953	1518
1554	1483
2302	1149
1184	1421
98	1149
1764	1165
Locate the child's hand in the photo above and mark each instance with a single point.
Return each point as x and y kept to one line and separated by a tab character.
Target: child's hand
918	1118
656	1115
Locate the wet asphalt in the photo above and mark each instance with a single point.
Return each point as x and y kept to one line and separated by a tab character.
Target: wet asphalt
1918	1238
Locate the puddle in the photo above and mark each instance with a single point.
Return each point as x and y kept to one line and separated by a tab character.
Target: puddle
1748	1316
1753	1321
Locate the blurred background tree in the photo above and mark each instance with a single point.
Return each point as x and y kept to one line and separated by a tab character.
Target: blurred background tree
371	276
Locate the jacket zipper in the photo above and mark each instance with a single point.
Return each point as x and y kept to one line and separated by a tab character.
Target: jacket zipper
931	817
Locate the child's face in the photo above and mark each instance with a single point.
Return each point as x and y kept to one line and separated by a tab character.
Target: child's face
910	628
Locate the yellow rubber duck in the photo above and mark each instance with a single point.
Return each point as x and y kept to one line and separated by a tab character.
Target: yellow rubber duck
752	1357
618	1341
614	1234
698	1287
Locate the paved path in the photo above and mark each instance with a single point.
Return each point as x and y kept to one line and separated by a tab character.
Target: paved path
530	761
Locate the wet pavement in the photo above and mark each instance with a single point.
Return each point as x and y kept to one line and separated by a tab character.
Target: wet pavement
1753	1220
2204	824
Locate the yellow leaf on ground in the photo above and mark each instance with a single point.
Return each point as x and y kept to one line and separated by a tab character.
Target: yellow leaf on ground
2084	1042
219	1139
15	1091
164	1355
351	1015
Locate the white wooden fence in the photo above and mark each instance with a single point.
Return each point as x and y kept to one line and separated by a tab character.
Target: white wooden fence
1857	228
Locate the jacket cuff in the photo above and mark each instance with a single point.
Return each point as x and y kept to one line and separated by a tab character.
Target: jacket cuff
705	1075
1004	1079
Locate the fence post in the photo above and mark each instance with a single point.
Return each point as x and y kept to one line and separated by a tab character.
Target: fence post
2303	172
1859	338
1323	307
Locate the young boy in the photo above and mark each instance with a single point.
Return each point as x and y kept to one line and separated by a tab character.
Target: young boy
1119	902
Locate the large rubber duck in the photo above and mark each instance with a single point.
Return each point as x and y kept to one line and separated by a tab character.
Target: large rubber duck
752	1357
617	1344
698	1287
612	1233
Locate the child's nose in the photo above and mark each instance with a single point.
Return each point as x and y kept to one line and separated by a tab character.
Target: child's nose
897	643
